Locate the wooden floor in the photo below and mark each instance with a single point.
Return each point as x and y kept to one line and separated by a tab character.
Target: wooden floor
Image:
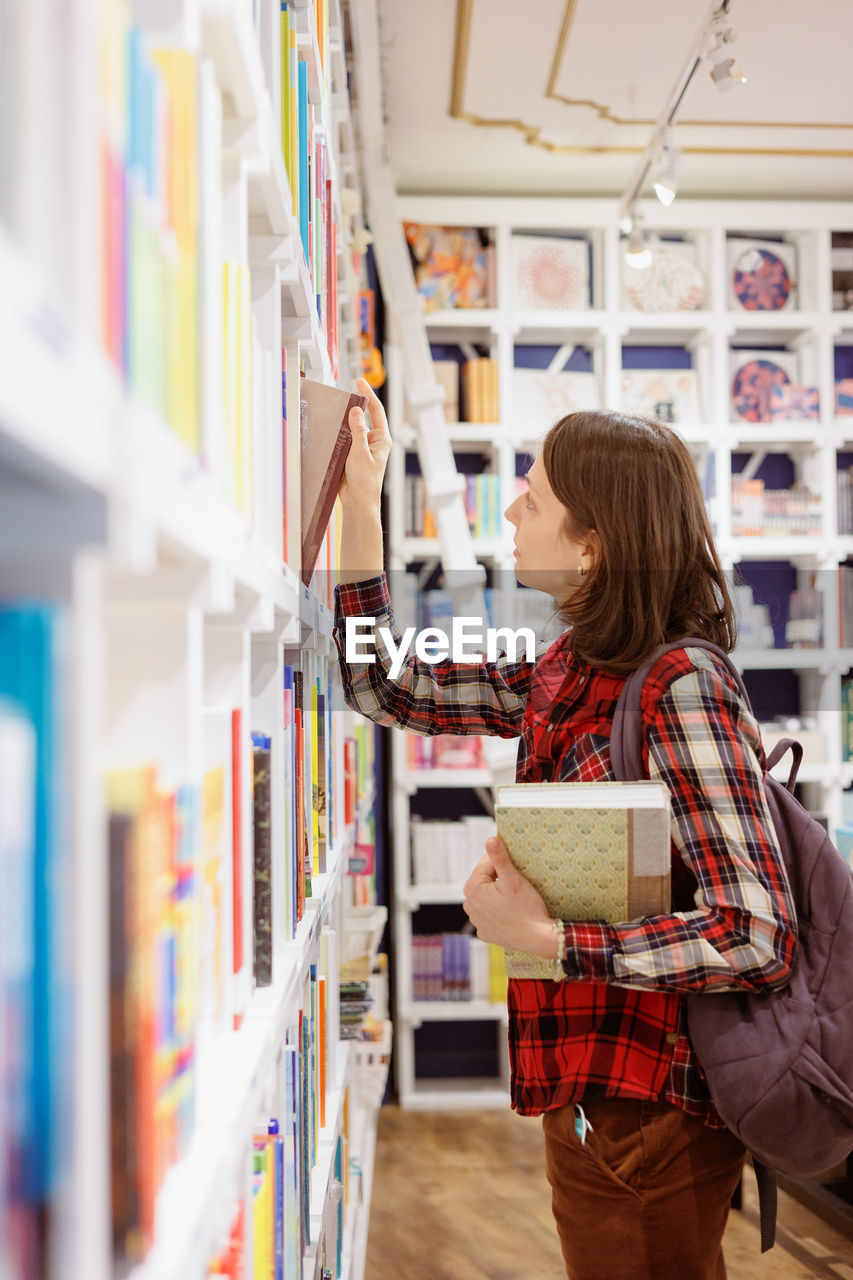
463	1196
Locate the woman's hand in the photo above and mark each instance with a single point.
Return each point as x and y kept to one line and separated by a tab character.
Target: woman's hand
361	487
505	908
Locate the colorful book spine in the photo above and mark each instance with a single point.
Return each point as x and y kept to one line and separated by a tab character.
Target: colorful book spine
262	861
237	873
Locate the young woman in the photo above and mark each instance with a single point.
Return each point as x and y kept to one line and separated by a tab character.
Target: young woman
613	526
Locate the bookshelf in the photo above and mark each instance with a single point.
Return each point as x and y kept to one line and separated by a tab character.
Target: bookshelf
600	334
187	857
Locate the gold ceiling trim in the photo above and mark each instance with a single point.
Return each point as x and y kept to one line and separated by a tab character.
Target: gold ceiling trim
533	133
604	112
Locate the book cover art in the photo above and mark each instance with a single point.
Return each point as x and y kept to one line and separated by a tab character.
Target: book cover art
590	857
325	442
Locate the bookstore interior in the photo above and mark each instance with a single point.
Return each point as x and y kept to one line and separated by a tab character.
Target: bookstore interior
232	934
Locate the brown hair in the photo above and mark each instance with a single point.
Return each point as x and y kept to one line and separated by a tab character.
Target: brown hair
658	576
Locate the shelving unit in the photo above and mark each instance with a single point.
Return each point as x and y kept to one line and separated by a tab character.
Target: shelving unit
142	505
808	329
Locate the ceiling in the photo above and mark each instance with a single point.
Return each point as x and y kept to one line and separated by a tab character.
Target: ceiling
559	97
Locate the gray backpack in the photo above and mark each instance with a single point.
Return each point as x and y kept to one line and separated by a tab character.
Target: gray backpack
779	1066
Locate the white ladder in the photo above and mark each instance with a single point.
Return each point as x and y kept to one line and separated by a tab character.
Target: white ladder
444	486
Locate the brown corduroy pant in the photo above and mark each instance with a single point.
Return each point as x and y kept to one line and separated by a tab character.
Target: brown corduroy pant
646	1196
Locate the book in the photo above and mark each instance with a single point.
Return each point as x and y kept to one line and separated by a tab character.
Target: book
325	440
262	860
594	850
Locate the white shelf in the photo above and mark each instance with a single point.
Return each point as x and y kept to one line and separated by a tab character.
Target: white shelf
415	779
164	543
455	1011
475	1094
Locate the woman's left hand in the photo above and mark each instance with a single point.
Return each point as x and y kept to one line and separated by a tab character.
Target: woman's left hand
505	908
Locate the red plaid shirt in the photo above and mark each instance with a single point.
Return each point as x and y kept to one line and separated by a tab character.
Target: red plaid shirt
617	1027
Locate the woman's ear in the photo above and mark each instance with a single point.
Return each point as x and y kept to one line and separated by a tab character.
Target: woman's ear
592	549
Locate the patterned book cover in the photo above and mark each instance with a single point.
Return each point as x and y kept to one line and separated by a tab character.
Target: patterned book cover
550	273
591	856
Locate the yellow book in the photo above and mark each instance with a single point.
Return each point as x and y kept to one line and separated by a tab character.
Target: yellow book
594	850
294	125
497	974
212	889
229	374
285	92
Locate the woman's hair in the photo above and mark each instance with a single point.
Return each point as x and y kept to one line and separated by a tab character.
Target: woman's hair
658	576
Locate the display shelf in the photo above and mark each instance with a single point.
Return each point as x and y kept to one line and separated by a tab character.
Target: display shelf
144	505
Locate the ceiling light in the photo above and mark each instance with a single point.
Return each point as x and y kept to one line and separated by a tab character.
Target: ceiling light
666	182
724	70
626	222
637	252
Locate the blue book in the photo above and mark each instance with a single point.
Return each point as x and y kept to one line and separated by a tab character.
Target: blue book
278	1199
18	1123
304	194
31	652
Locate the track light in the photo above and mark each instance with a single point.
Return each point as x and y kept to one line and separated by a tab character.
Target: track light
724	70
637	252
666	182
626	223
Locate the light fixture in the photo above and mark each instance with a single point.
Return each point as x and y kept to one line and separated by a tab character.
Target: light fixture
725	72
637	252
666	182
626	222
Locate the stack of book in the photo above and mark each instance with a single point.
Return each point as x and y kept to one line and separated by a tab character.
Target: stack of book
480	391
761	512
456	966
445	853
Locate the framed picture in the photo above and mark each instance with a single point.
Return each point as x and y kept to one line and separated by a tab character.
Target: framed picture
762	275
754	374
453	268
669	394
791	402
540	398
550	273
672	282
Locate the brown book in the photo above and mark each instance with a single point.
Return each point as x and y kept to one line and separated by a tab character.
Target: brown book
325	439
447	376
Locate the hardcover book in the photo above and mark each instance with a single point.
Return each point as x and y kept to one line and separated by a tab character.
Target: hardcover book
325	438
594	850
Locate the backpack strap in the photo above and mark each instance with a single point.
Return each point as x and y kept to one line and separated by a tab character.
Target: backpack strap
768	1200
626	757
627	735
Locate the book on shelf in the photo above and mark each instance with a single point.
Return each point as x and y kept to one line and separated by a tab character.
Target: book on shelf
325	439
452	967
594	850
480	390
262	940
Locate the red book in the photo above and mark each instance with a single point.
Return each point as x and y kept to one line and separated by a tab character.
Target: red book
349	780
326	438
237	851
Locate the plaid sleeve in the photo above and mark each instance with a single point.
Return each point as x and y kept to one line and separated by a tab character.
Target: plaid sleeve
426	698
704	746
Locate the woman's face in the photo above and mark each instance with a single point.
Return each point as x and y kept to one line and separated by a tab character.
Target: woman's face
545	558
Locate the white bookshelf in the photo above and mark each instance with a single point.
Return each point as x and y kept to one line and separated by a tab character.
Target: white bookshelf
178	600
809	329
